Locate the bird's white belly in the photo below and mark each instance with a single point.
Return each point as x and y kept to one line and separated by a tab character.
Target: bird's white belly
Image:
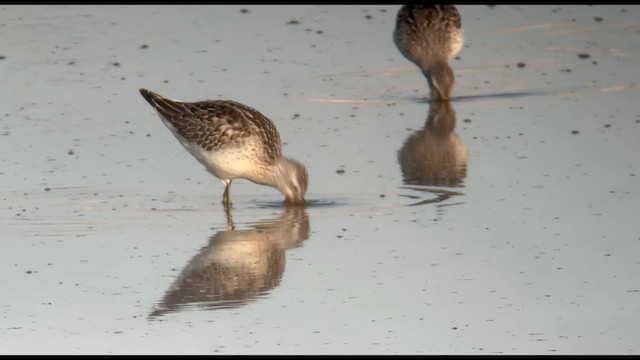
229	163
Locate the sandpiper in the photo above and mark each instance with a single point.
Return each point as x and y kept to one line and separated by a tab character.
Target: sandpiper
232	141
430	36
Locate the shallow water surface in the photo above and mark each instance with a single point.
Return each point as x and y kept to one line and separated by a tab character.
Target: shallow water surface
501	222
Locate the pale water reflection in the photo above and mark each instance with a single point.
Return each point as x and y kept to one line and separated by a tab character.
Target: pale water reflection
236	266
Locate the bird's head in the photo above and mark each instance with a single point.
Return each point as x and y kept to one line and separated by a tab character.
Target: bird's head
291	180
441	78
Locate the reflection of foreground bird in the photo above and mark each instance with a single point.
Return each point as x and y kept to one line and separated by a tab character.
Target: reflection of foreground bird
430	36
237	265
232	141
435	155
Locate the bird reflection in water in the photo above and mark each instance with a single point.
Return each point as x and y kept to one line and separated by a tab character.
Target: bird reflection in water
237	266
435	155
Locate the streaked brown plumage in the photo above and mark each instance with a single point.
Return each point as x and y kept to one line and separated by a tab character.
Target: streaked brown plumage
430	36
232	141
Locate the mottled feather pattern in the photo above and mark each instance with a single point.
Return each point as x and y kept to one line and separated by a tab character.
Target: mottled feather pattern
214	124
429	16
428	31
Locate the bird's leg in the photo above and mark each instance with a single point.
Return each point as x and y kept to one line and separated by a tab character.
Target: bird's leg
226	197
227	211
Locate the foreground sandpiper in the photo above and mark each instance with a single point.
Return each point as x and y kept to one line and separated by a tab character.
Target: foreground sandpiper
232	141
430	36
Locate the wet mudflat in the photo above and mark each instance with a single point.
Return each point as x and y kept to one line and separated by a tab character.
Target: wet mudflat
520	236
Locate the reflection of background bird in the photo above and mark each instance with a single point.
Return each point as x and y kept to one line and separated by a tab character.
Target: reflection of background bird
237	265
430	36
435	155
